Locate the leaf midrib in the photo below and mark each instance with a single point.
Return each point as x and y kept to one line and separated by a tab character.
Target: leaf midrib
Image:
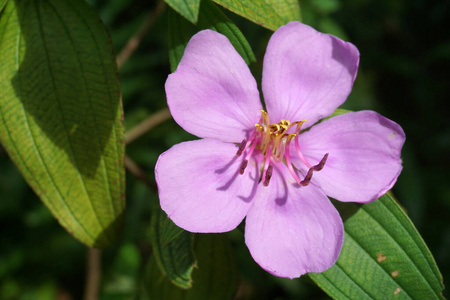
51	73
90	104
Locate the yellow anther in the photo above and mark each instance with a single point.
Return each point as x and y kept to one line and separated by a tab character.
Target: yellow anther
259	127
274	127
275	135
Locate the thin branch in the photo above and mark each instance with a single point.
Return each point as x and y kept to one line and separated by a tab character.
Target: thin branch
153	120
136	39
137	172
143	127
93	274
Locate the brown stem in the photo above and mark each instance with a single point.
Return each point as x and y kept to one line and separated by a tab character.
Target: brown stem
93	274
137	172
147	124
136	39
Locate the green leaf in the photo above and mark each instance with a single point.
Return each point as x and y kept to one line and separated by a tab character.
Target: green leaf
210	17
213	18
337	112
60	113
215	278
2	4
383	257
172	248
169	231
270	14
180	31
187	8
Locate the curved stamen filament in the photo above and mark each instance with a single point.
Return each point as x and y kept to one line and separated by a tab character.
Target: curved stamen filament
311	170
245	144
278	151
297	147
247	157
273	140
266	164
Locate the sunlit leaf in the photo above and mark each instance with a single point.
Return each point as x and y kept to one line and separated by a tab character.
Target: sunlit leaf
383	257
60	113
186	8
214	278
270	14
210	17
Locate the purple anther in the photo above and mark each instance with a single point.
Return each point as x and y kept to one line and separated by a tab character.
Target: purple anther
311	170
243	166
241	147
268	176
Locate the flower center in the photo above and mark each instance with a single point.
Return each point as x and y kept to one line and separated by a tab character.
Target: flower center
273	140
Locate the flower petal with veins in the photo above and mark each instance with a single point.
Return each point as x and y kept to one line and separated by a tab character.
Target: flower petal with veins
292	230
364	155
212	94
307	74
199	186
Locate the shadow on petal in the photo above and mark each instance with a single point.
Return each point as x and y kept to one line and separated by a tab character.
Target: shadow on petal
230	182
255	180
340	53
281	201
227	166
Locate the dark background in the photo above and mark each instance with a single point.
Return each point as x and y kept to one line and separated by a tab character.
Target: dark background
404	75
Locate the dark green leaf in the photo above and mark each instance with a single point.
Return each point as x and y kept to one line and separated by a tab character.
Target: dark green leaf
60	113
383	257
180	31
169	231
172	248
210	17
215	278
267	13
186	8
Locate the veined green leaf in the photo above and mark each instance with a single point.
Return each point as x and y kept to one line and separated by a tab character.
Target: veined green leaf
172	248
169	231
215	277
270	14
383	257
210	17
186	8
60	113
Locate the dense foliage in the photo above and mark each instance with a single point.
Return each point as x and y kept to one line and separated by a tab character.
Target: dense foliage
403	74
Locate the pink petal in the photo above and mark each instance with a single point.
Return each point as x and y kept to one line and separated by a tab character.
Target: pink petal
212	94
292	230
200	188
364	155
306	74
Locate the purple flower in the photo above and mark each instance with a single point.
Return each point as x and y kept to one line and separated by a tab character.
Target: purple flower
273	172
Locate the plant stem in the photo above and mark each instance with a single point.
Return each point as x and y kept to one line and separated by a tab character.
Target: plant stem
137	172
136	39
147	124
93	274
